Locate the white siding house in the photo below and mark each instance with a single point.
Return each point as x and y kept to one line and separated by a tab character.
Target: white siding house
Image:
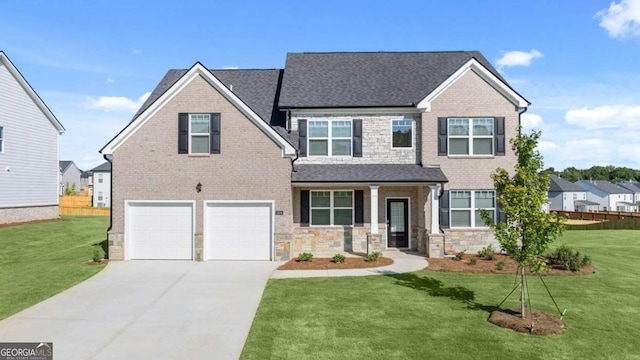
69	176
102	185
567	196
609	196
29	132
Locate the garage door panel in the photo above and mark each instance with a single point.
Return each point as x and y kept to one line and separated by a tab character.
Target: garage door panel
160	230
238	231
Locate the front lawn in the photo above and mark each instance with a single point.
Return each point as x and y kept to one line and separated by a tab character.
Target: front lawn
435	315
39	260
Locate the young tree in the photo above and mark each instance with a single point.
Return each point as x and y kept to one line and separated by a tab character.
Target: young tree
529	230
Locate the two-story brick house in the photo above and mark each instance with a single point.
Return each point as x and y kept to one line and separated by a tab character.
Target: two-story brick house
337	152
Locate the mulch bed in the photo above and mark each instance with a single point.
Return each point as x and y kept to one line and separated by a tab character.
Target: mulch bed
101	262
327	264
490	266
543	323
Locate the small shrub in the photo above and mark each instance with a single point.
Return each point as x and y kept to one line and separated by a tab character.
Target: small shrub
486	253
565	258
98	254
338	258
458	256
374	256
305	257
500	265
473	261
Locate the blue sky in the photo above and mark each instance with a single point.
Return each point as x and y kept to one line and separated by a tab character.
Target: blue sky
577	61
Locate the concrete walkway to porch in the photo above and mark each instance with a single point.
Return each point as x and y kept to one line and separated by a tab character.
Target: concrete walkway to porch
403	262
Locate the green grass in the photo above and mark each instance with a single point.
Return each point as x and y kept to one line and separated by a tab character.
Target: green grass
435	315
39	260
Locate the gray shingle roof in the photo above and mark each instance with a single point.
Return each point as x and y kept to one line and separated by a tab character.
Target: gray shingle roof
105	167
353	79
380	173
558	184
631	186
256	88
64	164
608	187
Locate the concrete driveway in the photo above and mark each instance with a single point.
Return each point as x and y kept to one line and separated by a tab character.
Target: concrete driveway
149	310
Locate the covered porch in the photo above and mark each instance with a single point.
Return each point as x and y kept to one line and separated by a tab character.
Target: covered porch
362	208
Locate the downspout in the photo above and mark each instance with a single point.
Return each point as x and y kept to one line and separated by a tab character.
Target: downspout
524	110
109	158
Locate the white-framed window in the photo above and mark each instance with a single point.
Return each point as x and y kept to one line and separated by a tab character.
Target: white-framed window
401	133
100	178
575	196
329	138
199	132
331	207
466	205
1	139
99	195
470	136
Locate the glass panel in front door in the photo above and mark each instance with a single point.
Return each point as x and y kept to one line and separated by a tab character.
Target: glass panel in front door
397	217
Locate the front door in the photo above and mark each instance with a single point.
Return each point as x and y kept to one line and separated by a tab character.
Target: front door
398	223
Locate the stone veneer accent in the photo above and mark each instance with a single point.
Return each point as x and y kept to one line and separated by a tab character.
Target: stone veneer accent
376	139
374	243
470	241
330	239
24	214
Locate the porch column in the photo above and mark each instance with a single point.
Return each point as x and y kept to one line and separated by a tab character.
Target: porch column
435	209
374	208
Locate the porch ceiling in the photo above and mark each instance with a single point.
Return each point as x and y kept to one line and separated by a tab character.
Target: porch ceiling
367	173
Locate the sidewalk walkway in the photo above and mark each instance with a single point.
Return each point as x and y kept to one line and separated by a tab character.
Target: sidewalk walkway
403	262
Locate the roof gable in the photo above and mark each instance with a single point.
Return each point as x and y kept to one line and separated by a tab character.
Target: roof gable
558	184
375	79
32	93
631	186
163	96
104	167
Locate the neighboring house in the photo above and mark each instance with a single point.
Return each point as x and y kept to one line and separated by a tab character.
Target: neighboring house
567	196
634	187
336	152
102	185
609	196
29	133
86	182
69	175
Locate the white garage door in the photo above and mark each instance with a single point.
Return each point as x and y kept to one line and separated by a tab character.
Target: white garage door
238	231
160	230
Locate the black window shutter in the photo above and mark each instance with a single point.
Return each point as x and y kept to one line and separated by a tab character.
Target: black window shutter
304	208
444	210
183	133
302	138
442	136
499	136
359	203
215	134
357	138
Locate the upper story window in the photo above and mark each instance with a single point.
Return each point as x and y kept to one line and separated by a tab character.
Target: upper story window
199	133
331	207
100	179
330	138
401	133
1	139
470	136
466	206
575	196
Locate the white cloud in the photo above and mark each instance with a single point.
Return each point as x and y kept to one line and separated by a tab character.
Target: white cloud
518	58
531	121
116	103
621	20
231	67
605	117
135	51
546	146
110	81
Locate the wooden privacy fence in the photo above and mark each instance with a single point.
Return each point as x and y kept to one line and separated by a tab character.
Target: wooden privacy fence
629	223
80	205
598	216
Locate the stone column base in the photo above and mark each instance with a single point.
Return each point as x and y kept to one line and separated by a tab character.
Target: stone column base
374	243
435	243
283	247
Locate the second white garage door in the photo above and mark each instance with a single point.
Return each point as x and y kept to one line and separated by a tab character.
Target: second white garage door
238	230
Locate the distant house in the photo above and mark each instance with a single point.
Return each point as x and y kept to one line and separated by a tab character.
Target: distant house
635	188
29	134
609	196
69	175
102	185
567	196
86	181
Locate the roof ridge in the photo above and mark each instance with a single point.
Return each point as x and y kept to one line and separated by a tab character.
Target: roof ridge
386	52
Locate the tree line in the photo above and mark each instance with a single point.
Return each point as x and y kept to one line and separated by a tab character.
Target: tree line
611	173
